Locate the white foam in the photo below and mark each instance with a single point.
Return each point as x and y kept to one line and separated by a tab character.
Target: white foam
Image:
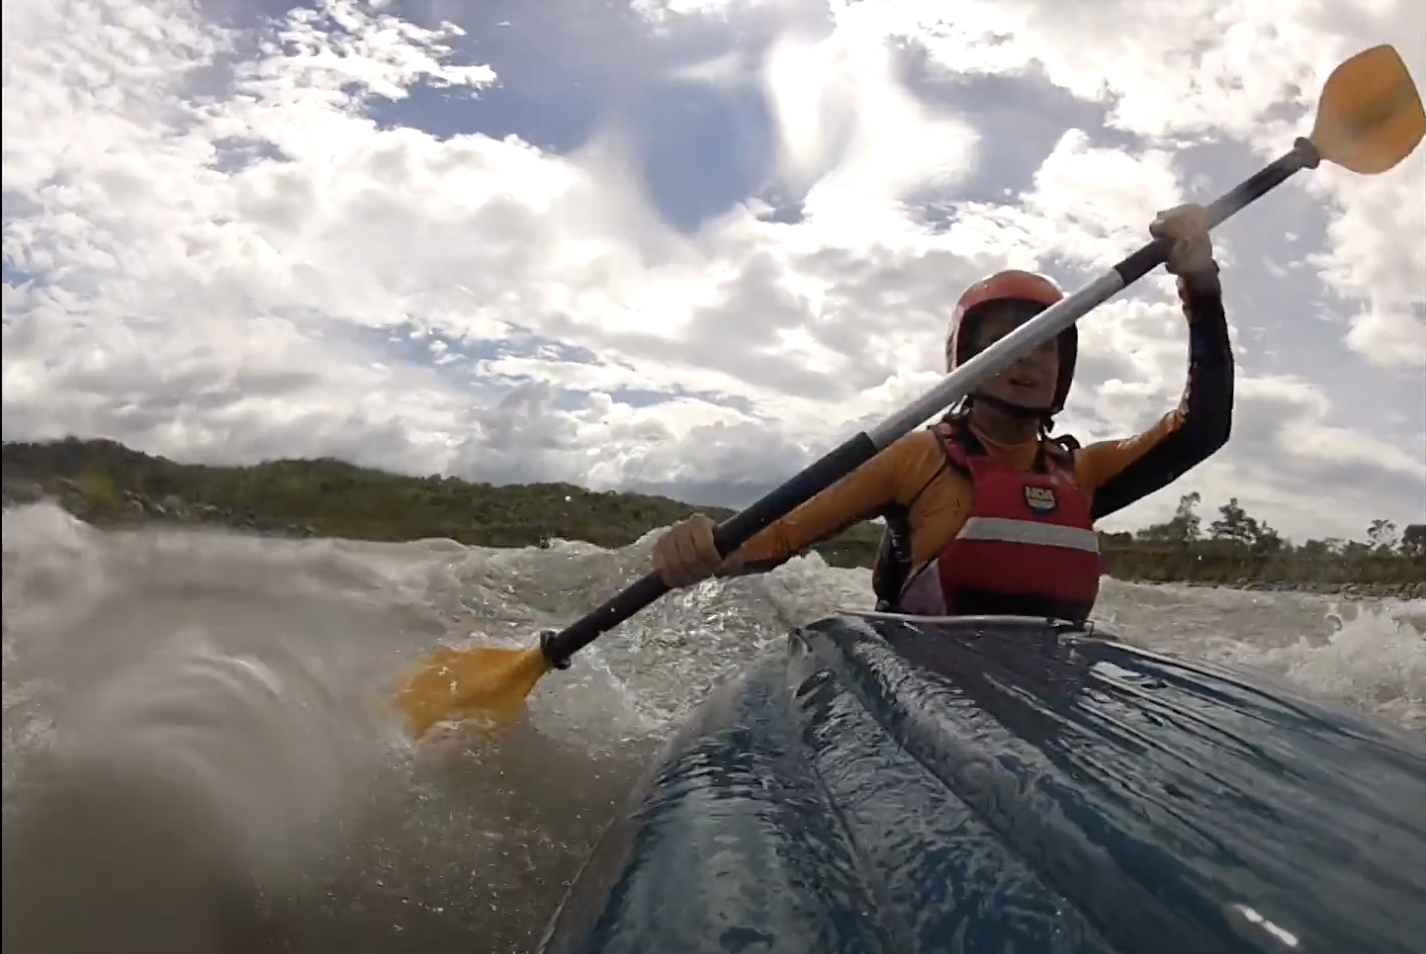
1375	660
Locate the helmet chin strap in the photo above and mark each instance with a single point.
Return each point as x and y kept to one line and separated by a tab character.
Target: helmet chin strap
1042	414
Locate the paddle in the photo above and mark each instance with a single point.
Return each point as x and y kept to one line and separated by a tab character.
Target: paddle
1369	118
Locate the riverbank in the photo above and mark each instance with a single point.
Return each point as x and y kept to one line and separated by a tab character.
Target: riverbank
109	485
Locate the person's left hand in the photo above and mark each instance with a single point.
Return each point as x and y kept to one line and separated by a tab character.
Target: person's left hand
1185	231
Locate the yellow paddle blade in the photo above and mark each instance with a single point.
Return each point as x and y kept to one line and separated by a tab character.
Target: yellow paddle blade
475	680
1370	115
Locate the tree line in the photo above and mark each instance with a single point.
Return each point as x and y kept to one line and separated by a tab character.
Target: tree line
1237	546
106	483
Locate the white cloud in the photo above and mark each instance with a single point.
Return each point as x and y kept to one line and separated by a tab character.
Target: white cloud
1088	206
1318	472
1376	258
855	134
1248	71
219	243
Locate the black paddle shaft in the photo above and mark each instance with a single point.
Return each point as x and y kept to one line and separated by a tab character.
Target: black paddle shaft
742	526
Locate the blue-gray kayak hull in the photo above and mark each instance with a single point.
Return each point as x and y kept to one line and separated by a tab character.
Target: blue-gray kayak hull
901	786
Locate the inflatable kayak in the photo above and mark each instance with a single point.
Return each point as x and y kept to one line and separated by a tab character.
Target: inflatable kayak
908	786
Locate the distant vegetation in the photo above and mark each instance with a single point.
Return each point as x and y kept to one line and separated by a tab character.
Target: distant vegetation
107	483
1239	549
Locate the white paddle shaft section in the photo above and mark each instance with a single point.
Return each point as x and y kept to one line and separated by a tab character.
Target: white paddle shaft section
996	358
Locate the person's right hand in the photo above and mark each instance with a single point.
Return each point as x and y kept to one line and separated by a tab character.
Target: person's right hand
686	553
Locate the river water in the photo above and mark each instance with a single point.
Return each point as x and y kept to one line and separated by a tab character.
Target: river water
195	759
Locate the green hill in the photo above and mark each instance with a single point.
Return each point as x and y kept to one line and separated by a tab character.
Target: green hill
109	484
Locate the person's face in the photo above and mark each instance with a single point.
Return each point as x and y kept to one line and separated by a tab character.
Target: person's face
1031	380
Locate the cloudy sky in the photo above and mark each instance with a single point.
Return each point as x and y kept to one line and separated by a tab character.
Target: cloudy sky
685	246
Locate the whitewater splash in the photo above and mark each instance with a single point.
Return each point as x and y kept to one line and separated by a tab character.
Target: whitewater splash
196	758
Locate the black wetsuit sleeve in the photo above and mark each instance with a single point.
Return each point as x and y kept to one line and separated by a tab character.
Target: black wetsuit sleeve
1205	416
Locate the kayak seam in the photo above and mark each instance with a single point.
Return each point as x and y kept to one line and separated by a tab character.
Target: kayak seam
904	936
854	686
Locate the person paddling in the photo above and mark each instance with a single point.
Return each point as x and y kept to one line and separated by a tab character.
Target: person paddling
974	505
986	513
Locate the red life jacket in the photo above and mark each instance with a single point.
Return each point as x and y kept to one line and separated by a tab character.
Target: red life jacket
1028	547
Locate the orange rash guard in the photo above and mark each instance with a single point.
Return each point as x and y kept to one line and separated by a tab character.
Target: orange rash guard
913	474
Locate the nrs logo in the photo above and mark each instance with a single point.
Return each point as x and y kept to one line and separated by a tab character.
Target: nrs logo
1040	499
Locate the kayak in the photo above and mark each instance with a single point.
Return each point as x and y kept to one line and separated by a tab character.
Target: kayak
894	785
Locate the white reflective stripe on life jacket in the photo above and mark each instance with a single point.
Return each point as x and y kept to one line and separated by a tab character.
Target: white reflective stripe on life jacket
1010	530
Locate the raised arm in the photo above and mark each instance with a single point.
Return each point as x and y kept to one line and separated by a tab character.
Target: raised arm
1122	471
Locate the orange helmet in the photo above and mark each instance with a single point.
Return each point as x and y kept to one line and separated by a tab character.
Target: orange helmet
1012	285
